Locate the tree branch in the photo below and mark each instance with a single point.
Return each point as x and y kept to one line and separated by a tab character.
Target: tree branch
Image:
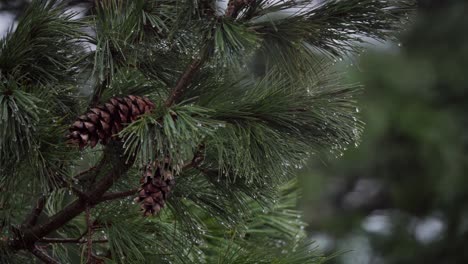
70	240
89	242
113	158
31	219
81	195
98	92
118	166
40	254
84	173
117	195
185	80
197	159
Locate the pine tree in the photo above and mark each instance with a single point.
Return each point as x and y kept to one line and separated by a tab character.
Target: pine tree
158	131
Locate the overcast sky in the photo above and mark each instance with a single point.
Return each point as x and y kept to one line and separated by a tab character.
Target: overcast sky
6	19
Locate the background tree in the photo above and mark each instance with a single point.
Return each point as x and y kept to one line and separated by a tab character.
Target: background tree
202	110
404	190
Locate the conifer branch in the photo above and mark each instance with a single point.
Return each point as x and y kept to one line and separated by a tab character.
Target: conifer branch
195	162
81	195
84	173
71	240
99	91
89	242
118	195
31	219
185	80
193	68
40	254
119	164
248	138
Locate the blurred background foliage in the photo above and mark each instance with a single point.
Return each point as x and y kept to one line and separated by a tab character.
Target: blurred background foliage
402	195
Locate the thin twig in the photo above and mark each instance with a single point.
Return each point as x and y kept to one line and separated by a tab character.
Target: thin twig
197	159
79	193
118	195
31	219
89	244
80	175
100	89
187	76
184	80
42	255
71	240
114	155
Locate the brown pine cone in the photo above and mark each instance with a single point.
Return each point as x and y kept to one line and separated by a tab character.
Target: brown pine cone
103	122
155	188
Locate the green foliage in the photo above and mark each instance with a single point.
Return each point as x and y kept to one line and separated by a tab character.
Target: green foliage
19	117
233	42
254	101
273	127
295	31
242	238
175	134
44	48
276	226
38	63
333	26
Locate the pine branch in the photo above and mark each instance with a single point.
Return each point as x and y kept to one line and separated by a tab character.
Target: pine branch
119	165
17	7
118	195
98	92
89	244
297	33
185	80
84	173
40	254
81	195
193	68
197	159
71	240
31	219
45	35
91	173
253	143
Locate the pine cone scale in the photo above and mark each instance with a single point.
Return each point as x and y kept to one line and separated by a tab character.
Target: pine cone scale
155	189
